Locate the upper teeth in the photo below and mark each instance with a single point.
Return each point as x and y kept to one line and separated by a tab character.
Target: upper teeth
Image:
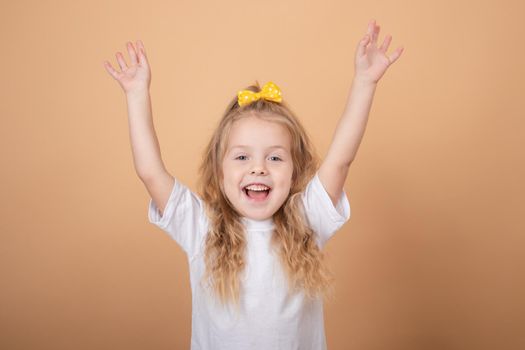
257	188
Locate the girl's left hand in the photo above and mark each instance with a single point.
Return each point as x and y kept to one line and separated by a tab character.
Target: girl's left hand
372	62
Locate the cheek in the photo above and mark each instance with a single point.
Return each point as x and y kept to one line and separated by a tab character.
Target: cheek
285	179
230	181
289	174
226	173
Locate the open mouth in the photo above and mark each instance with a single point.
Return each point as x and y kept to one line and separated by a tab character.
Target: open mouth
257	192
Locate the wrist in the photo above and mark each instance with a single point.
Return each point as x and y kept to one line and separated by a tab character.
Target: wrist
362	81
139	92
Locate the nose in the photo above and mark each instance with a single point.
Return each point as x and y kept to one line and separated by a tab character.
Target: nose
258	169
259	172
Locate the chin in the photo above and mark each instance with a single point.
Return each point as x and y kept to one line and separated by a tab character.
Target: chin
261	217
257	216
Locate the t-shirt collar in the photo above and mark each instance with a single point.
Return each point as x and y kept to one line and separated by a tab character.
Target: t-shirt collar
252	224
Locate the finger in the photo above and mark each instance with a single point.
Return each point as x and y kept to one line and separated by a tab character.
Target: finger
386	43
121	62
132	54
395	55
110	70
142	53
370	30
375	34
361	48
140	45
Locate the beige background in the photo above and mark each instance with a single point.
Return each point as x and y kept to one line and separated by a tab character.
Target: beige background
432	255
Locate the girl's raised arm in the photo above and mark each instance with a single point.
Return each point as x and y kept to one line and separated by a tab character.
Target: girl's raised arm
371	63
135	81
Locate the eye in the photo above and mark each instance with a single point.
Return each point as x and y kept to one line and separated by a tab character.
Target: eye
243	157
276	158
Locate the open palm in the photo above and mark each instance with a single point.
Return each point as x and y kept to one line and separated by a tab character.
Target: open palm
137	75
371	62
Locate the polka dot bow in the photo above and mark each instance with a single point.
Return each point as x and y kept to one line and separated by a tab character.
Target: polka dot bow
269	91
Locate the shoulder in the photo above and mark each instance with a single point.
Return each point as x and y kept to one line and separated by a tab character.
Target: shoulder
320	212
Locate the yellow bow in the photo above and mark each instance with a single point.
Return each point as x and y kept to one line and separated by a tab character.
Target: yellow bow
269	91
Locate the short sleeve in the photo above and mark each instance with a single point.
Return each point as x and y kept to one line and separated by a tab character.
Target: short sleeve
322	216
183	219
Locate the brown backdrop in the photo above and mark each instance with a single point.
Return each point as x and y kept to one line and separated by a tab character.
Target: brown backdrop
431	257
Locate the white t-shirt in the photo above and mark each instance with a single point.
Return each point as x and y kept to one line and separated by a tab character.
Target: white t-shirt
270	317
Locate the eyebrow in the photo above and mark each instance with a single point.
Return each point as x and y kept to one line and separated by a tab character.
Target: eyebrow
271	147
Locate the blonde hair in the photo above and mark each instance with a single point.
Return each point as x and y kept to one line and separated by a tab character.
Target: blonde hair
300	256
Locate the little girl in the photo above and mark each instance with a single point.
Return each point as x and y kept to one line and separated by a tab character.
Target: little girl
254	235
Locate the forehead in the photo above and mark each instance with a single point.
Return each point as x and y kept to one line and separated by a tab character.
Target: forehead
256	132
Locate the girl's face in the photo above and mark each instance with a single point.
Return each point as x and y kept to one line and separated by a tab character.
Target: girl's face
257	167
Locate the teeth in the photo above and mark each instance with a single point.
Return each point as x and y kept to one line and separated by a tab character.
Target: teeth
257	188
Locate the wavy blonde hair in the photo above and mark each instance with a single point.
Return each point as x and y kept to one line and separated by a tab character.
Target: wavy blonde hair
301	258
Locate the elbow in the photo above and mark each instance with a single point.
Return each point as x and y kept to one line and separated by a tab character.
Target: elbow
347	164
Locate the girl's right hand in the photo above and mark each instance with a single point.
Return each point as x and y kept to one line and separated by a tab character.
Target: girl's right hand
137	76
